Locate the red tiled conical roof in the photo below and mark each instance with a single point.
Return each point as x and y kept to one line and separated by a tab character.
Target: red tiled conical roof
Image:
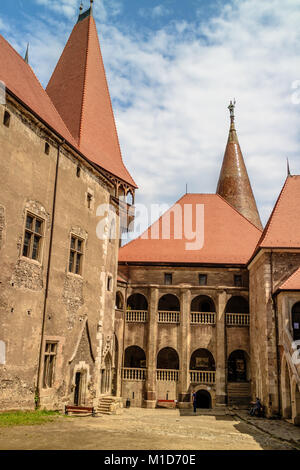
283	227
229	238
19	78
234	184
79	91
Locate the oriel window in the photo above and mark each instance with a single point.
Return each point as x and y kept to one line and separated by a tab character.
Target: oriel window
33	237
49	364
76	255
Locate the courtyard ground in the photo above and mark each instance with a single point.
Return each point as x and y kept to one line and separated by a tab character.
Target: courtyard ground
143	429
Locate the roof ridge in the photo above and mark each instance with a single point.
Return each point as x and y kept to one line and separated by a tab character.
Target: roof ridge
238	212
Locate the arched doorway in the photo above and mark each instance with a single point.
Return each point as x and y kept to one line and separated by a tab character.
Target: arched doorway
202	359
168	358
106	375
237	304
238	366
296	321
203	303
286	391
119	301
137	302
203	399
80	388
169	303
135	357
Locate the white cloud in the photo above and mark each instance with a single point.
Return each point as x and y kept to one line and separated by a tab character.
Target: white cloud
156	12
171	89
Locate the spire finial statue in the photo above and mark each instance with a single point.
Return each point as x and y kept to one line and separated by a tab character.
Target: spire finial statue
288	167
231	108
81	8
92	1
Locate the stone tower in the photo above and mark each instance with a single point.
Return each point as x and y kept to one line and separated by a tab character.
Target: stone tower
234	184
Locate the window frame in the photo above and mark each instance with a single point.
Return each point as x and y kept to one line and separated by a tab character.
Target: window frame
238	280
76	252
170	277
204	277
33	233
49	378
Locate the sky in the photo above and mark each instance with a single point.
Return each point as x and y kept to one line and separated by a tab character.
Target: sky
172	67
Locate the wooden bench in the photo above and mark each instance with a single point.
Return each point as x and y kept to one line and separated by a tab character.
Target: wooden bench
79	410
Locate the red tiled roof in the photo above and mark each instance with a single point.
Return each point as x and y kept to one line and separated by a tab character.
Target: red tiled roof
229	238
79	90
19	78
292	283
283	227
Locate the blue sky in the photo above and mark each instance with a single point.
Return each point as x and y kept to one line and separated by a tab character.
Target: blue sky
172	68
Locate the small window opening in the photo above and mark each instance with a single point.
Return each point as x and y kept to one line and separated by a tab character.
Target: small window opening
6	119
109	283
89	200
238	282
78	171
168	279
202	279
47	148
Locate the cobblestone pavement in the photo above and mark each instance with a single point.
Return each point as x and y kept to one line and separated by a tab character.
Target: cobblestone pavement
145	429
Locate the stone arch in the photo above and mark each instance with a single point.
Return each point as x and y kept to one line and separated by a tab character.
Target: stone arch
286	390
137	301
203	399
168	358
203	303
119	300
202	359
295	402
238	366
135	357
237	304
106	375
169	303
296	321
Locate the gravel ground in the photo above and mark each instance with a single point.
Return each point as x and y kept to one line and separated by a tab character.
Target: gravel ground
142	429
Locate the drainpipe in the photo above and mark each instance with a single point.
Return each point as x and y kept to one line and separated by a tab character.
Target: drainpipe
40	364
274	303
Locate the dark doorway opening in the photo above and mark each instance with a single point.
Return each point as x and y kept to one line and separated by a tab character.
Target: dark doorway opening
203	399
77	389
296	321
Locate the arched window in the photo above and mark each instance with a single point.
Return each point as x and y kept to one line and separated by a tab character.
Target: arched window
137	302
238	366
296	321
237	304
202	359
168	358
203	304
135	357
106	375
129	198
119	301
169	303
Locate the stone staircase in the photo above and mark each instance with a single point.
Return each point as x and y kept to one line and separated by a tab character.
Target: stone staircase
239	394
110	405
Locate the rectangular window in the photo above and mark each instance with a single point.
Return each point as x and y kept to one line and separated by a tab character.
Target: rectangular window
76	255
49	364
168	279
109	283
238	281
202	279
33	237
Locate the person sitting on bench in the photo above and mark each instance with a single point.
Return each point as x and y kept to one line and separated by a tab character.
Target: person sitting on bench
256	409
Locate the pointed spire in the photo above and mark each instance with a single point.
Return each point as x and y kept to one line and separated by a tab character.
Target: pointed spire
288	167
26	58
234	184
78	88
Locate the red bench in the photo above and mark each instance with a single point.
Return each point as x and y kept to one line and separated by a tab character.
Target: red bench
79	409
166	403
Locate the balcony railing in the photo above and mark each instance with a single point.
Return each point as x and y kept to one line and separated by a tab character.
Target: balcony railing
134	375
238	319
168	317
167	375
202	376
136	316
203	318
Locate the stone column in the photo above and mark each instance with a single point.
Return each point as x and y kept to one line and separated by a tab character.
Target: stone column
151	395
184	347
221	389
